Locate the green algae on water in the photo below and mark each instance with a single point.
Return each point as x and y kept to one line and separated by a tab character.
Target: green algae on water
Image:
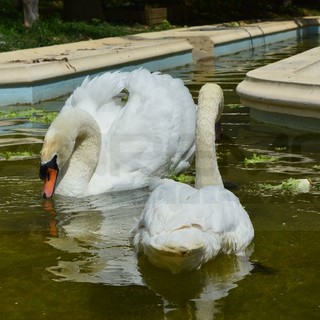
255	159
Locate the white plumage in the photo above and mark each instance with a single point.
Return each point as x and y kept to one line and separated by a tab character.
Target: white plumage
182	227
101	142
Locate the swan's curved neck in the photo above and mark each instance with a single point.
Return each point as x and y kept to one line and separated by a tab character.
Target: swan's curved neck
210	106
78	170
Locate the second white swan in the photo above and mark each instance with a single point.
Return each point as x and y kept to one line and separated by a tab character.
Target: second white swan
183	227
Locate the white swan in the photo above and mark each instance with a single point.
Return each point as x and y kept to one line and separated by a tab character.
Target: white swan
99	143
182	227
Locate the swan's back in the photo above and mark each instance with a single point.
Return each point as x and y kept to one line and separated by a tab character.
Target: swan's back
181	227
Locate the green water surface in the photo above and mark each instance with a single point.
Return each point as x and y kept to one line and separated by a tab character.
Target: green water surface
72	259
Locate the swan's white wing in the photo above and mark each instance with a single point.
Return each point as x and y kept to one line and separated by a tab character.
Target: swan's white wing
156	128
99	97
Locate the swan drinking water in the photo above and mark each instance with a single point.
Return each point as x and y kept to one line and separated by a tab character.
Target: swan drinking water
99	143
182	227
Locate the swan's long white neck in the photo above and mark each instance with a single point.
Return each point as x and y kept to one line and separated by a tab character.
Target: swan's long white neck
210	106
76	174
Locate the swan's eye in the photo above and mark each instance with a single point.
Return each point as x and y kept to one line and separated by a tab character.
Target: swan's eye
44	169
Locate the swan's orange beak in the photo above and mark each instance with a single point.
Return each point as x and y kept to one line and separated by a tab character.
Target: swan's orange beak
49	183
48	173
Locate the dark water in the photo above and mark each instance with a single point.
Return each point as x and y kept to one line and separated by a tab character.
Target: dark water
72	259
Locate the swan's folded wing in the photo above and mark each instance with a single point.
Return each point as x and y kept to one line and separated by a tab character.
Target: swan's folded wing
156	128
98	97
98	89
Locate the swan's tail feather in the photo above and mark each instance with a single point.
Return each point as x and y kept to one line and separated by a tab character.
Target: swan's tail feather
181	250
175	262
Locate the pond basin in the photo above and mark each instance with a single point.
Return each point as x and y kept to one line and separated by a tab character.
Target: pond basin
71	258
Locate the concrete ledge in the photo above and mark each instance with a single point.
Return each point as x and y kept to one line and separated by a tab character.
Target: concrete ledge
290	86
33	65
32	75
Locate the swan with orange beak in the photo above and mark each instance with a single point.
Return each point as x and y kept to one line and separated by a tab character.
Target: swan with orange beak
103	141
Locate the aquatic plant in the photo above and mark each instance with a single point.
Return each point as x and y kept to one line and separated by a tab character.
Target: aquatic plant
14	114
259	159
17	155
32	115
290	185
184	178
46	117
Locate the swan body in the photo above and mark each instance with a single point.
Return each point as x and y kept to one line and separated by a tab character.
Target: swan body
182	227
100	143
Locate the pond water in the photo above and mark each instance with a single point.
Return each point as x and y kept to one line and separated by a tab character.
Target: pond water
71	259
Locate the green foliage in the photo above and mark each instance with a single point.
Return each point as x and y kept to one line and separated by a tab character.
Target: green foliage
259	159
51	31
164	25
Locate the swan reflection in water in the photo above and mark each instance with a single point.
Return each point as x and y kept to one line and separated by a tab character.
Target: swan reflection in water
93	233
195	294
96	229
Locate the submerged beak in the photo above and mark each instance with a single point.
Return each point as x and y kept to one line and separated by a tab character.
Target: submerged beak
49	172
